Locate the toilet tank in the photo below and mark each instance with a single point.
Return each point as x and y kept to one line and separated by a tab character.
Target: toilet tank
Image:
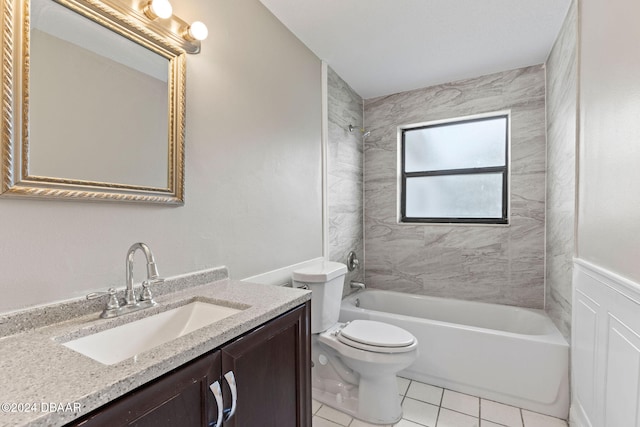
325	280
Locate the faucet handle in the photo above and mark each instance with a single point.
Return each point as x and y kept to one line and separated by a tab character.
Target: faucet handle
112	303
146	295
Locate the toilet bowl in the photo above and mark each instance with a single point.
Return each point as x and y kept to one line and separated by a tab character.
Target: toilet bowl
376	362
354	364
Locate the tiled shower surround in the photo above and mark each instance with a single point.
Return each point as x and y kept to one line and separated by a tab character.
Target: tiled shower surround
561	169
494	264
344	174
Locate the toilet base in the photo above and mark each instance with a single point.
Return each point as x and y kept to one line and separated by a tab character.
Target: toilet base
337	386
379	400
349	405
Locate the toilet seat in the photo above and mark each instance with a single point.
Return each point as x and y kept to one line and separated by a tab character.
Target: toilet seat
378	337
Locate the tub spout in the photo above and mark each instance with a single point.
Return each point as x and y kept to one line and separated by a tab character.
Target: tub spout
357	285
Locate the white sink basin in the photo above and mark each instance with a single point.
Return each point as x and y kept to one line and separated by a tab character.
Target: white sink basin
122	342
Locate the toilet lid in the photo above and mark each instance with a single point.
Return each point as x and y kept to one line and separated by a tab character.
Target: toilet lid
376	334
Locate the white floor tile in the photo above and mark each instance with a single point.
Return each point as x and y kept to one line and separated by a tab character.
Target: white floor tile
321	422
359	423
448	418
403	385
533	419
419	412
501	414
421	408
407	423
334	415
460	402
425	392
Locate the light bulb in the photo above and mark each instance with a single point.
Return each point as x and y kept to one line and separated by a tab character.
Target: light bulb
197	31
158	9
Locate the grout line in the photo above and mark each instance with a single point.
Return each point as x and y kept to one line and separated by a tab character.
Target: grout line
440	407
331	421
463	413
522	417
438	416
404	396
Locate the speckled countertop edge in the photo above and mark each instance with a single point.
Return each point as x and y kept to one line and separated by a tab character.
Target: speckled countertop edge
35	368
35	317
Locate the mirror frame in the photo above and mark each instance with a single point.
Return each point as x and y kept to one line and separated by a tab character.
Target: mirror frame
127	20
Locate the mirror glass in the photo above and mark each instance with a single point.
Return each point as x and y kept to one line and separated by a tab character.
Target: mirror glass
98	102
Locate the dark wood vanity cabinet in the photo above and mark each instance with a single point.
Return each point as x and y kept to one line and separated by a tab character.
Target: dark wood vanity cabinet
271	367
273	373
180	398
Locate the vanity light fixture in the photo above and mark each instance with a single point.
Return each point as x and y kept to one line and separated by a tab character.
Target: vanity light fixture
196	31
158	9
162	20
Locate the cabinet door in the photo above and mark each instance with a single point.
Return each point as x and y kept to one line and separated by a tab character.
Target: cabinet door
179	398
272	368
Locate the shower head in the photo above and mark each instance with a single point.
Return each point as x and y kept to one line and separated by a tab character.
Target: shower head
351	128
366	134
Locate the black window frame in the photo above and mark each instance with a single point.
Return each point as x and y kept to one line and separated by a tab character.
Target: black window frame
504	170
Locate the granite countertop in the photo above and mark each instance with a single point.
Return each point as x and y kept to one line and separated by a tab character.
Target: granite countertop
43	383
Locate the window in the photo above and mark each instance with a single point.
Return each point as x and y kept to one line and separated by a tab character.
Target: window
456	172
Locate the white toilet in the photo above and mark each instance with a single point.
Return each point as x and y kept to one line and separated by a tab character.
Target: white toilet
354	364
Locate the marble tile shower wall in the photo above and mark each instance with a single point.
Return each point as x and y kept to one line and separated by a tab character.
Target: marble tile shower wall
344	174
561	169
485	263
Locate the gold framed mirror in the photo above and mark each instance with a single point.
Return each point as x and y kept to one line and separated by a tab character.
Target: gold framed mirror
93	102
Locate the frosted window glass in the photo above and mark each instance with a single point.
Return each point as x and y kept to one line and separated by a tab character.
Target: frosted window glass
456	146
455	196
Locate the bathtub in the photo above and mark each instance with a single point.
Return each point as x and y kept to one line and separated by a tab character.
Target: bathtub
508	354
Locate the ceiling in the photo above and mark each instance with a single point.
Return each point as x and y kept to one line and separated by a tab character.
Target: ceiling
380	47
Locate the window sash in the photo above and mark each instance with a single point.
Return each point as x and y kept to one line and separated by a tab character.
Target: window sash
478	170
473	144
455	220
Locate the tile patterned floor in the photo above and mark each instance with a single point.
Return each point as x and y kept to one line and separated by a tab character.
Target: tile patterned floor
427	406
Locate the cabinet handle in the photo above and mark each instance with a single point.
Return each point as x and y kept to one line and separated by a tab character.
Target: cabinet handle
217	393
231	380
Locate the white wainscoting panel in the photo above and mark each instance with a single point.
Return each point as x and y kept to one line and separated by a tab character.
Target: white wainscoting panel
622	375
605	349
585	344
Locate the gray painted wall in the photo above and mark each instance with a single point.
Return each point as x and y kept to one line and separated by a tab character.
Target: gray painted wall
344	174
485	263
561	171
609	179
253	196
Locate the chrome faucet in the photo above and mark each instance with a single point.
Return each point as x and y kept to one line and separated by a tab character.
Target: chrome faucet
131	303
152	275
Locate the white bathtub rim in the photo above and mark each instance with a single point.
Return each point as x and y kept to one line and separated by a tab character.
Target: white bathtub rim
554	336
